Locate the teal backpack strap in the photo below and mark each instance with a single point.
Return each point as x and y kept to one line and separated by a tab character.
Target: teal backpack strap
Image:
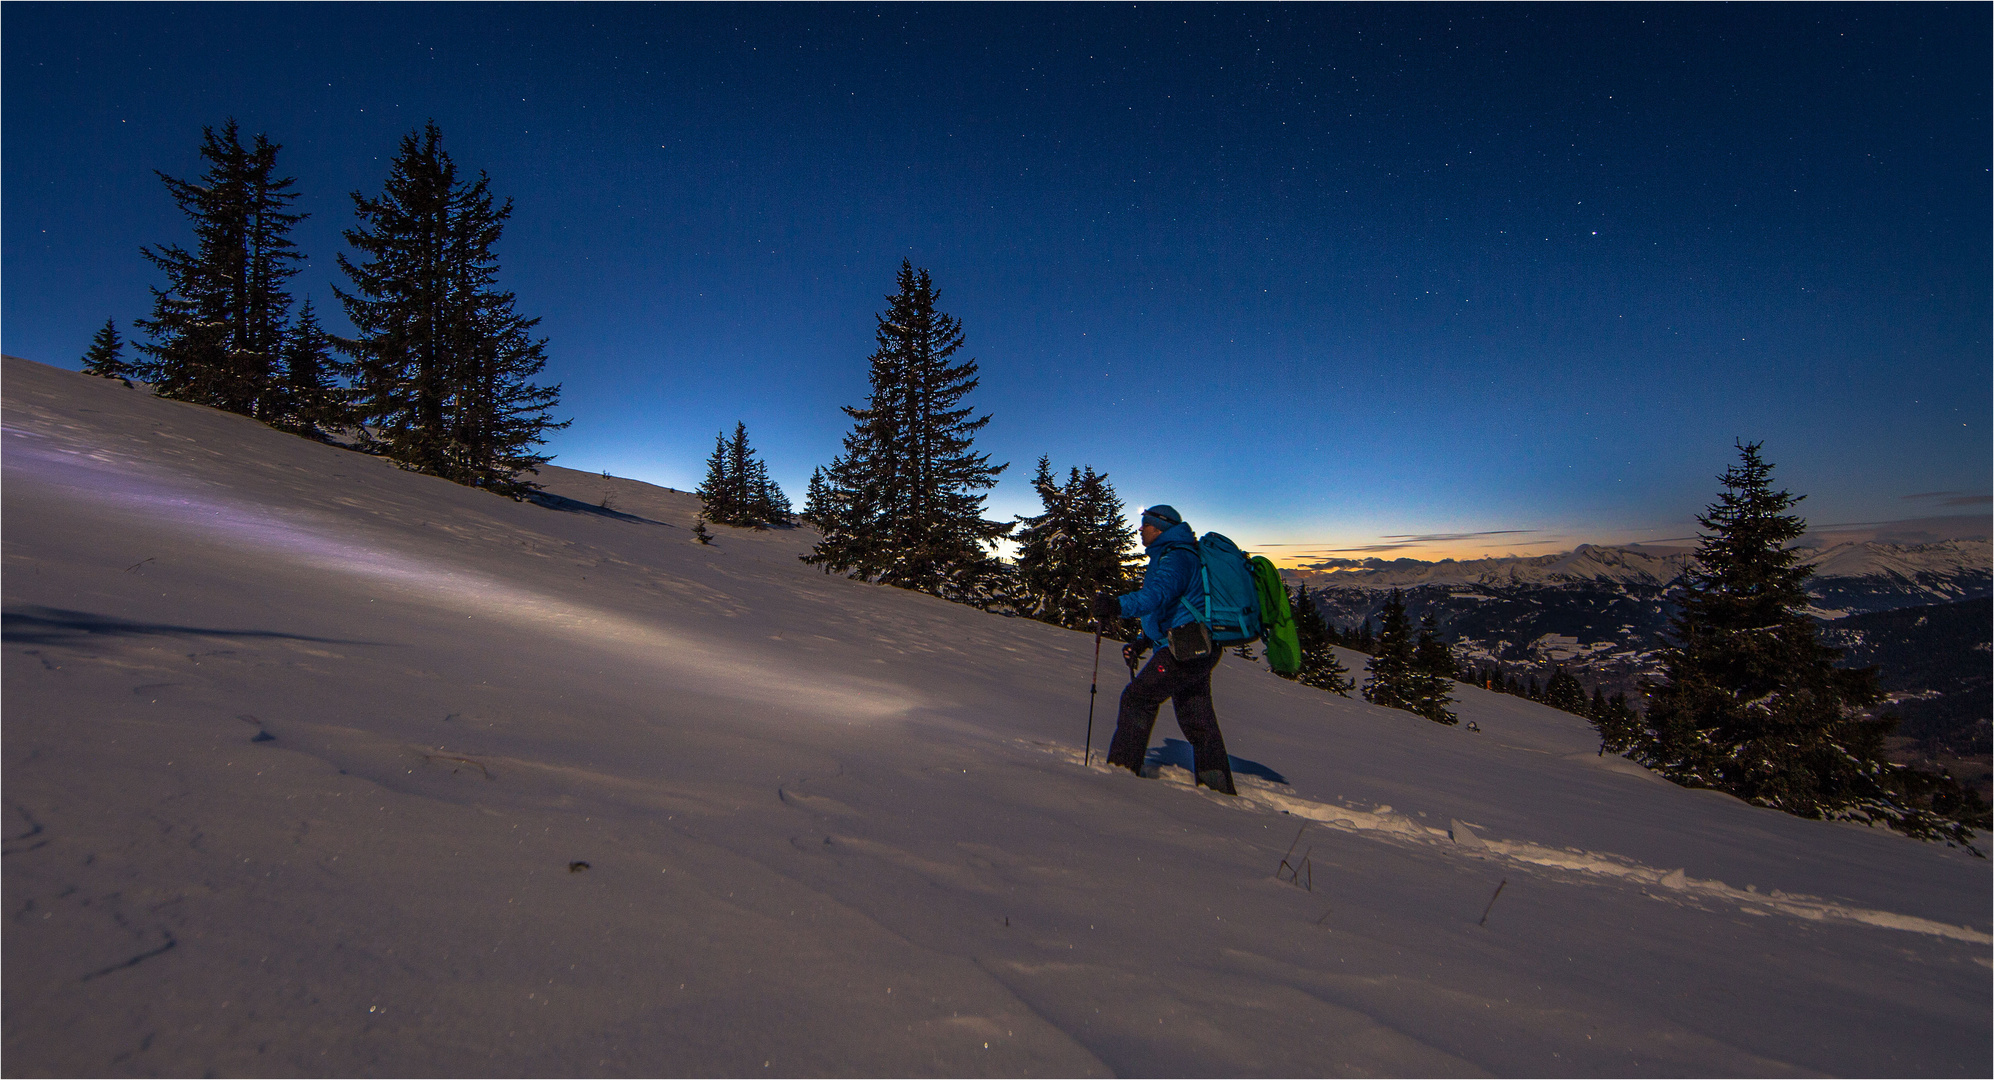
1204	578
1205	581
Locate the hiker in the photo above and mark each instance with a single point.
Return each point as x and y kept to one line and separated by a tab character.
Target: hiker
1171	577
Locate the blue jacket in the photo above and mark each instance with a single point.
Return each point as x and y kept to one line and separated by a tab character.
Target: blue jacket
1172	575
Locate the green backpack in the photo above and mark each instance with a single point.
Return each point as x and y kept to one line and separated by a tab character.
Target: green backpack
1277	619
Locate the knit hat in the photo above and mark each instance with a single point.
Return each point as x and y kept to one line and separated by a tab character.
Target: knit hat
1162	516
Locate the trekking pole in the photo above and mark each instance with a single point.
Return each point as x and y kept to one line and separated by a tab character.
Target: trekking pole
1093	684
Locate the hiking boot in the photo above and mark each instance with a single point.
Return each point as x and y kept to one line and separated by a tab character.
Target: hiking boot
1218	780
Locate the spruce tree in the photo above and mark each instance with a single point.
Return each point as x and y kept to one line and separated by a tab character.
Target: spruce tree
719	498
1430	682
442	362
737	489
1080	545
741	476
1320	667
1616	723
1751	702
310	401
1390	667
819	501
106	358
1564	692
902	504
768	505
218	326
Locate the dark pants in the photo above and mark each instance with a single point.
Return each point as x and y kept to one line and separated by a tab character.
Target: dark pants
1188	686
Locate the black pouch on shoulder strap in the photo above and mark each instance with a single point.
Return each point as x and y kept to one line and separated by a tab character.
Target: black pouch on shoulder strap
1191	641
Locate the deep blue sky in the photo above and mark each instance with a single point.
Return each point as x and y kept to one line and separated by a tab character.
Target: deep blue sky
1327	276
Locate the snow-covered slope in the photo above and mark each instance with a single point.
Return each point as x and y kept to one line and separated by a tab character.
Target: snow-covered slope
315	766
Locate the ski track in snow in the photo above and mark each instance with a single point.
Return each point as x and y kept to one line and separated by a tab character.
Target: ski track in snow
1382	824
310	541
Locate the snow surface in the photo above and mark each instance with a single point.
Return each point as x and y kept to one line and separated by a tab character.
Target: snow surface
303	755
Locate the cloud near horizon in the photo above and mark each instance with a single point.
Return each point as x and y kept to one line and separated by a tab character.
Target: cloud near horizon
1405	541
1953	498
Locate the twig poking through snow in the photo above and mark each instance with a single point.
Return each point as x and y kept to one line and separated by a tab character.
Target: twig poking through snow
1291	847
1301	873
1492	900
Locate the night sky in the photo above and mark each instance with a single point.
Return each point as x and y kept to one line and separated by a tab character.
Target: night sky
1409	280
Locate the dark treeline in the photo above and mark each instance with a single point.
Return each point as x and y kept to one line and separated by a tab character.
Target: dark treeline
1561	691
437	375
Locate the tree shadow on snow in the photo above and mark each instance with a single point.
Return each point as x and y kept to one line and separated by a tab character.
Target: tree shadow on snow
1178	752
32	624
551	501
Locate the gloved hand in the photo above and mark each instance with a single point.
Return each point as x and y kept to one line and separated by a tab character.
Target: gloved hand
1132	653
1107	608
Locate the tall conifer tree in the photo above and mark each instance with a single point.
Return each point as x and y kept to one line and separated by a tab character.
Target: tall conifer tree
106	358
312	402
719	496
1390	667
737	490
442	362
820	501
1431	681
1751	701
771	506
1616	723
218	326
903	503
1320	667
1564	692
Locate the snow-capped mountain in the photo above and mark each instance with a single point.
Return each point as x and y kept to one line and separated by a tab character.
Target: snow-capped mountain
1897	575
1599	611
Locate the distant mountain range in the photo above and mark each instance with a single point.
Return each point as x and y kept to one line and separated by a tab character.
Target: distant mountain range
1935	665
1599	612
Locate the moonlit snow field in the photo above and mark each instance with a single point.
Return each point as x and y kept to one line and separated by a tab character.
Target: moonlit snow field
314	766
